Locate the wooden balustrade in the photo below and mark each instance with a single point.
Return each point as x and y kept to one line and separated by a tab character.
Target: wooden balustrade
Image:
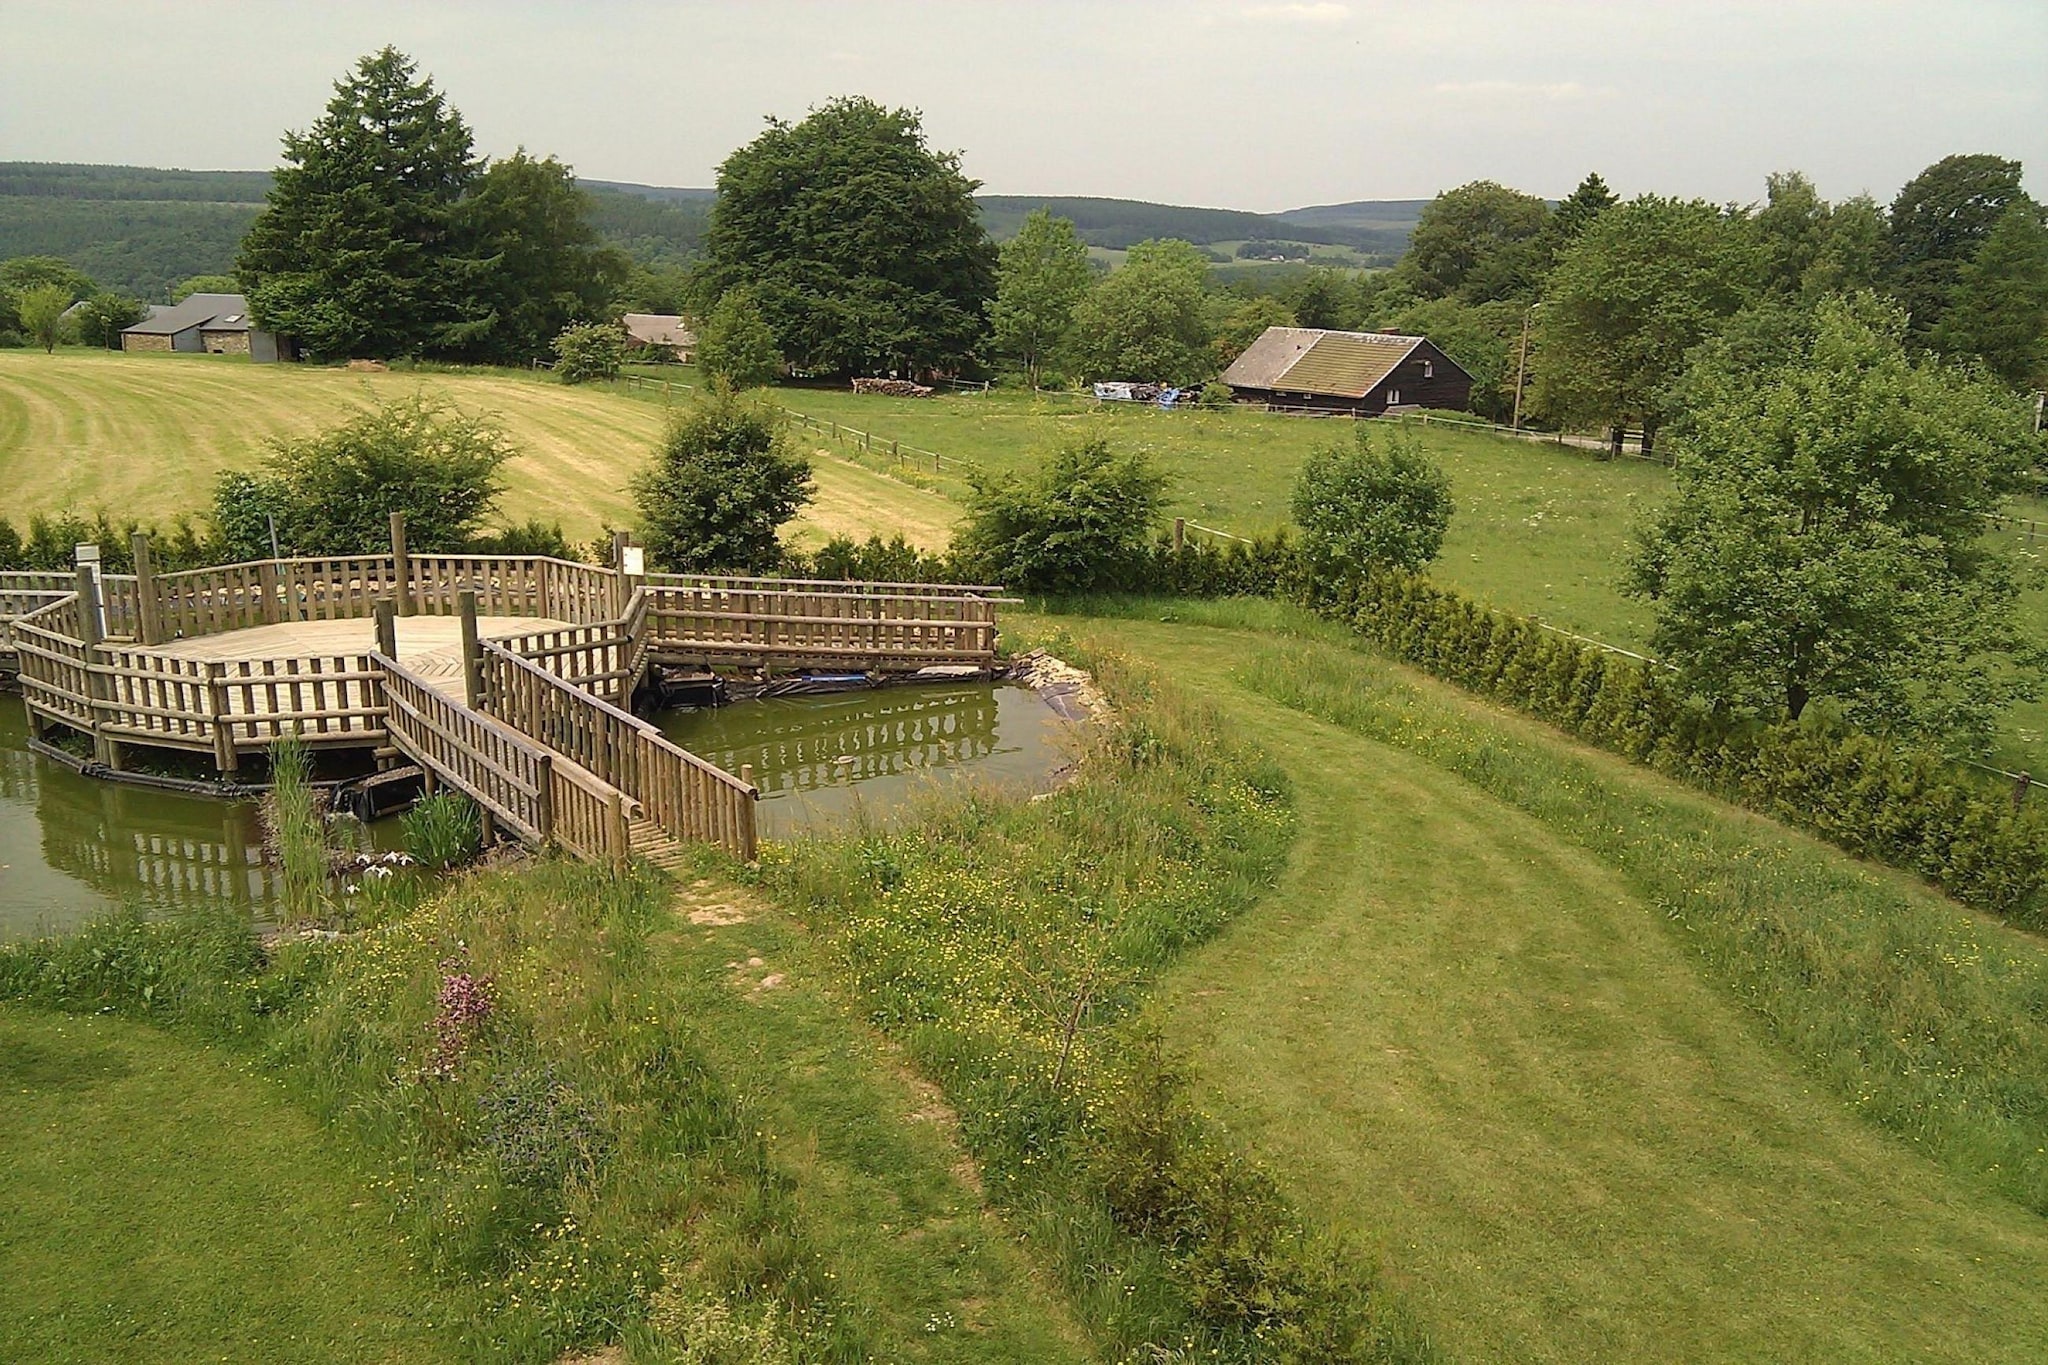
55	668
688	798
710	623
540	795
212	601
504	585
837	586
340	588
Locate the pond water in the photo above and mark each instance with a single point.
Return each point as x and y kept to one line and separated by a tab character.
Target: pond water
818	759
73	848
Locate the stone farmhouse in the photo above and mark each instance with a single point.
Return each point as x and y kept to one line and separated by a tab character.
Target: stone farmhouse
660	332
211	324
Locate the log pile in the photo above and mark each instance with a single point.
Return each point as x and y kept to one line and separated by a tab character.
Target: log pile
891	388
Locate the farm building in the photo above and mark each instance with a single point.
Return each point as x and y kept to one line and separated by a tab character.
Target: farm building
1356	372
213	324
660	332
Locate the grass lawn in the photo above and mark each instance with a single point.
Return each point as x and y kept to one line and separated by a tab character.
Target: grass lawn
1485	1039
145	436
162	1205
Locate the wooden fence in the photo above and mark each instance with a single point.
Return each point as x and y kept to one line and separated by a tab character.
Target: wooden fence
686	797
710	624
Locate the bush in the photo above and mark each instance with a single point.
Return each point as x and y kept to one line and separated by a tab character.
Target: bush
1375	503
589	350
1870	797
894	560
530	537
1081	524
1216	395
719	489
333	493
736	344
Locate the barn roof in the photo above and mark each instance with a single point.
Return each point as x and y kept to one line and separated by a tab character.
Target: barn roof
214	312
658	329
1318	361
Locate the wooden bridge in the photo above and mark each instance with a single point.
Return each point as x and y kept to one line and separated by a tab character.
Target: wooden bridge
509	678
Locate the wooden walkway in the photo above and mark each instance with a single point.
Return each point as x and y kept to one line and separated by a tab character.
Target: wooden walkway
509	678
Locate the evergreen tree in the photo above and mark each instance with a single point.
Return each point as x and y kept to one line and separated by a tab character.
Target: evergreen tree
1577	210
1938	221
1043	273
360	250
541	265
863	246
1998	310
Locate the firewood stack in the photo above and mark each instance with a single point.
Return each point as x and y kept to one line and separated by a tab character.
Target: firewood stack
891	388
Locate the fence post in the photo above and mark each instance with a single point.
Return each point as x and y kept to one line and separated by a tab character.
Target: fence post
621	589
266	583
401	564
544	799
147	609
472	652
385	612
89	630
620	835
2020	787
217	712
1180	534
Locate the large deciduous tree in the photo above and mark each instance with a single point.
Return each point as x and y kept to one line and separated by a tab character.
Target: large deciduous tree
1042	275
1826	541
861	243
360	249
540	262
41	310
1148	320
19	274
1939	219
1645	283
1478	242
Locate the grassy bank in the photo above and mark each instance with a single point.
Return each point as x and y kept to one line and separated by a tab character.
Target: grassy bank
1607	1070
163	1203
593	1111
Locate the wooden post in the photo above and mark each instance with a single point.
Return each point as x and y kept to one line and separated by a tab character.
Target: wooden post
1180	534
217	712
266	583
621	590
2019	789
487	826
148	610
472	651
544	799
621	834
385	613
747	773
103	749
401	562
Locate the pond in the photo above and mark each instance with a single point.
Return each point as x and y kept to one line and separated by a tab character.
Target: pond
818	759
73	848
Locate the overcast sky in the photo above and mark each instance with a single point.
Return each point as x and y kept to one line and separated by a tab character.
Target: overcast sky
1243	105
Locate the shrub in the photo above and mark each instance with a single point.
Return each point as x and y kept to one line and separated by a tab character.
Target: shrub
530	537
1216	395
442	831
719	489
333	493
1081	524
589	350
1375	503
736	343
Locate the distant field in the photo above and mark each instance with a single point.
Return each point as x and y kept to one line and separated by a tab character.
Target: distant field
146	436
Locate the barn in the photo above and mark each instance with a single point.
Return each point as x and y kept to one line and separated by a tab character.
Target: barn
1362	373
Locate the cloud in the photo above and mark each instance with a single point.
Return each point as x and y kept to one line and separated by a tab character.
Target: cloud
1546	90
1298	14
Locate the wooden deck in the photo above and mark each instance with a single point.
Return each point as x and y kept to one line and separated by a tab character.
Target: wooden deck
509	678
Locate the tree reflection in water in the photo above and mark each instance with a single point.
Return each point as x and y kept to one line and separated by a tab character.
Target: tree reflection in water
816	759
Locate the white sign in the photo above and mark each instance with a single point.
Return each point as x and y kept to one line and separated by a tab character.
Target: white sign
633	561
87	554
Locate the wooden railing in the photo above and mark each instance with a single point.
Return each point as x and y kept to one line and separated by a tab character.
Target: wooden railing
711	622
860	588
688	798
605	659
56	667
541	795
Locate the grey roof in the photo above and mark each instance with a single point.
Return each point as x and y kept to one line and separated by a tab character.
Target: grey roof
213	312
1319	361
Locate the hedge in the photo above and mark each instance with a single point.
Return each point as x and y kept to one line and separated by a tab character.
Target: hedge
1880	800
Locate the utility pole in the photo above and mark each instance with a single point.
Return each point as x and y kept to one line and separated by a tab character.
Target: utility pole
1522	362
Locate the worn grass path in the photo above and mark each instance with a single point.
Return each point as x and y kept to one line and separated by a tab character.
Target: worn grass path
158	1204
146	436
1474	1045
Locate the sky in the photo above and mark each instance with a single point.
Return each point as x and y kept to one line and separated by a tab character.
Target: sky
1229	103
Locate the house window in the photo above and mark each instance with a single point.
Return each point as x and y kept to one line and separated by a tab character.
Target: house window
1429	369
1393	397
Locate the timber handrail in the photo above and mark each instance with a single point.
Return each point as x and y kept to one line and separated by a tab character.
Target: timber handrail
688	798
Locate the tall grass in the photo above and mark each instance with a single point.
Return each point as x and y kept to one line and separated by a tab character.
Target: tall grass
1929	1018
1010	946
295	823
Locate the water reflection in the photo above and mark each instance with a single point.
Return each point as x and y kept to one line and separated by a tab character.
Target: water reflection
816	758
72	848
